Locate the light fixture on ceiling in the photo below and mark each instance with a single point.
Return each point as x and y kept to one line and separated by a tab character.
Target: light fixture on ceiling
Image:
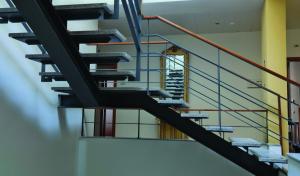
232	23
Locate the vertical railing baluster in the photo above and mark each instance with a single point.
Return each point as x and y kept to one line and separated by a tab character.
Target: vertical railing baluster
136	35
267	123
116	9
82	122
148	58
219	92
139	123
280	122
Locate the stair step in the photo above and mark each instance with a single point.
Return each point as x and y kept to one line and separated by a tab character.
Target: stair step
176	92
175	79
78	37
244	142
91	58
174	82
175	75
220	129
194	115
153	92
171	89
173	103
66	12
174	85
268	156
98	76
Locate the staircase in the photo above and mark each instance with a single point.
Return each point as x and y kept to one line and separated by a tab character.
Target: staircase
48	24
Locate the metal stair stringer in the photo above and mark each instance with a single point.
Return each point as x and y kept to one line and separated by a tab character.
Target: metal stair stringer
195	131
210	140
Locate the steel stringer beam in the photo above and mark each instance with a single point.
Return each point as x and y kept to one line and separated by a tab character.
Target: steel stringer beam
52	33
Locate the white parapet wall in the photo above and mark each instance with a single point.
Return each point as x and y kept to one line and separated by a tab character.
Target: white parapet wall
294	164
132	157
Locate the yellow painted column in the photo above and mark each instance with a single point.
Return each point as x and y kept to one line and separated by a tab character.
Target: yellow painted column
274	56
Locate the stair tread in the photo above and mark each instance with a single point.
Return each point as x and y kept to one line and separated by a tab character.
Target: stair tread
174	103
153	91
245	142
195	115
104	35
68	12
265	155
103	57
220	129
101	75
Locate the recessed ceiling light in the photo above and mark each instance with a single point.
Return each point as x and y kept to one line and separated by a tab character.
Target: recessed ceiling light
232	23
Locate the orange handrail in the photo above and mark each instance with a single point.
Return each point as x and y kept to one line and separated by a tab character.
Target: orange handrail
240	57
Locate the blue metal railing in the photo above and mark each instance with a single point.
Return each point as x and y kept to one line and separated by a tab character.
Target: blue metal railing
133	14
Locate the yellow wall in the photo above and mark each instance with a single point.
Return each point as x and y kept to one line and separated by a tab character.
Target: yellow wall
274	55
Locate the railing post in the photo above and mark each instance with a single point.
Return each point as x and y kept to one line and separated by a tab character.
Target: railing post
280	122
219	91
82	122
133	21
139	123
267	123
148	59
116	9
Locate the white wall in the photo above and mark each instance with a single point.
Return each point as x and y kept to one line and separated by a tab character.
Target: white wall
114	157
245	43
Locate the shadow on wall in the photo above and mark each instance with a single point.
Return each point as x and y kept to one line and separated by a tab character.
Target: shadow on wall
36	138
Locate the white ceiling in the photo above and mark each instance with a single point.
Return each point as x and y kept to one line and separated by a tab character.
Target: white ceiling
201	16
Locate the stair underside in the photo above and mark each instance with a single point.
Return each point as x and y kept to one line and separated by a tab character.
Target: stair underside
153	92
66	12
97	76
102	36
91	58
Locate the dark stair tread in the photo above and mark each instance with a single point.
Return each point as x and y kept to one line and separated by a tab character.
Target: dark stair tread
101	75
244	142
173	103
67	12
153	92
97	58
104	35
